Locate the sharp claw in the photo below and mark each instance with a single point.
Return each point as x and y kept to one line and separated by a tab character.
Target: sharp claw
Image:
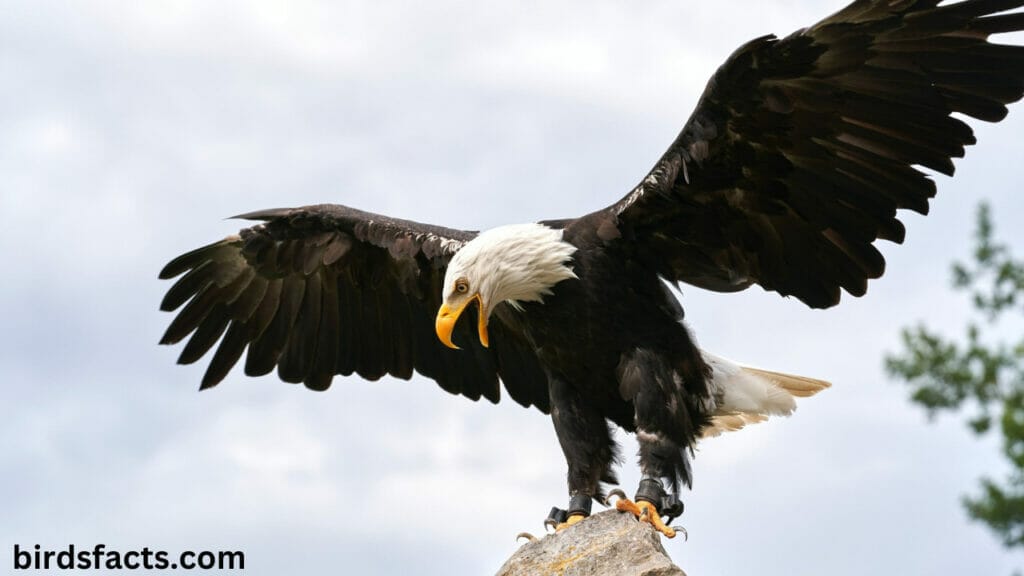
647	513
616	492
550	525
680	529
525	535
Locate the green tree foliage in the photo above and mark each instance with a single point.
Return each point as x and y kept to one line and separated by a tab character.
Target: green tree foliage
979	373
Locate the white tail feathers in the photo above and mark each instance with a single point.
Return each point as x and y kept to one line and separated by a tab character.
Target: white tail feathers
798	386
749	395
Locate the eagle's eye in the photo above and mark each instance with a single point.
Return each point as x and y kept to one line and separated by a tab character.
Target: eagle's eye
461	286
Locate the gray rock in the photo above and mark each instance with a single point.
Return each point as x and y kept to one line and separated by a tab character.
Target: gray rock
609	543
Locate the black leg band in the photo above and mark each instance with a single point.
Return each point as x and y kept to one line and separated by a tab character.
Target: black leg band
669	505
555	517
580	504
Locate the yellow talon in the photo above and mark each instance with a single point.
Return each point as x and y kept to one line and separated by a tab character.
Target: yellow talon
627	505
645	512
573	519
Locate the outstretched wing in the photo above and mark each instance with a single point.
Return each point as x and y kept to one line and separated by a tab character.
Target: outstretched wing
801	150
324	290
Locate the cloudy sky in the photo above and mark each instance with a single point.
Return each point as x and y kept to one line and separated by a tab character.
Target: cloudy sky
128	131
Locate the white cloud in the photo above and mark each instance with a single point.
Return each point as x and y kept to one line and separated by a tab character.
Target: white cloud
221	470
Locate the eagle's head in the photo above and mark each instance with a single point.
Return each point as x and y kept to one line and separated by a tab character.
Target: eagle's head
515	263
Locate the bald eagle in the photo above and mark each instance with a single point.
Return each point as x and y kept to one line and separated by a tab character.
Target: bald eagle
794	162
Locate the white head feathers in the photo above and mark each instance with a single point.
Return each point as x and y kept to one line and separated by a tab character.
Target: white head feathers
515	263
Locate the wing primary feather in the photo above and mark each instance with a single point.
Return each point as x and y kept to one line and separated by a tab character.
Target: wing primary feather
206	334
300	352
244	307
975	106
227	354
187	286
266	309
265	351
323	369
370	341
348	310
998	24
969	9
194	258
189	318
400	363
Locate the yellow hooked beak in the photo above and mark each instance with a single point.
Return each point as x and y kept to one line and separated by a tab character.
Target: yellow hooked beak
446	319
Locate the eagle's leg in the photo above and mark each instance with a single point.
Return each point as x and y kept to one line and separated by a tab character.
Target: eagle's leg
664	431
663	464
661	460
590	452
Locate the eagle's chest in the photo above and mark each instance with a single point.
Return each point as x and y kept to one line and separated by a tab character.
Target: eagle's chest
587	324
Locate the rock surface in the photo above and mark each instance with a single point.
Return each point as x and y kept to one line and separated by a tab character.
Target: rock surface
609	543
